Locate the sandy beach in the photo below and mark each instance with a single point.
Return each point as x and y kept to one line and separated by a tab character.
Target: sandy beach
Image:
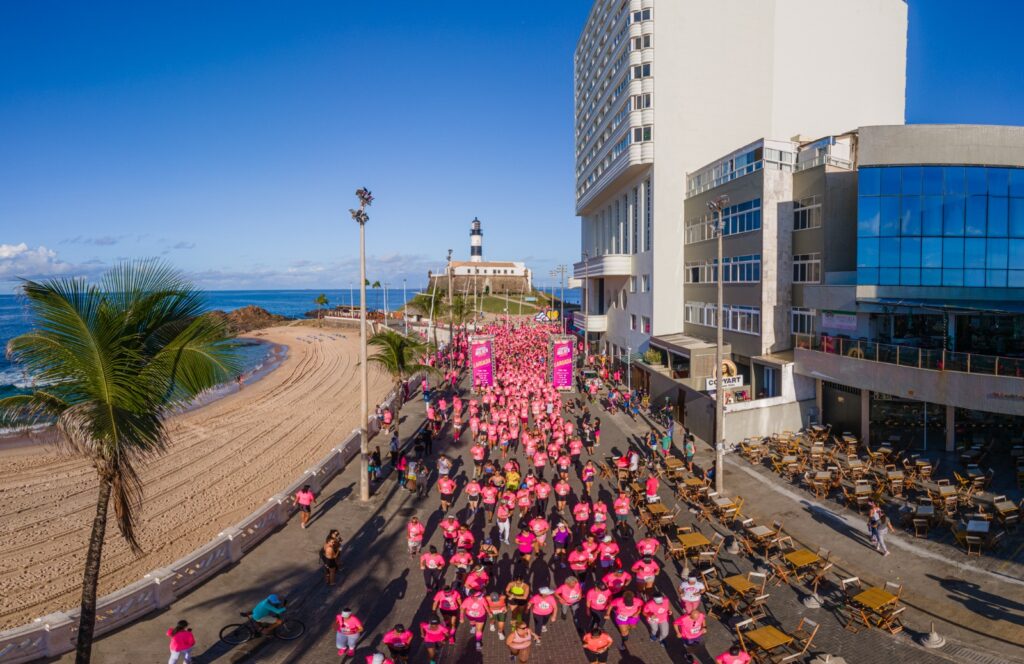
224	460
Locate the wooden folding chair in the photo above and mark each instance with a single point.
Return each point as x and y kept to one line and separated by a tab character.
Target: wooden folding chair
711	579
721	604
744	626
850	587
805	633
757	608
920	527
894	588
891	620
819	576
780	570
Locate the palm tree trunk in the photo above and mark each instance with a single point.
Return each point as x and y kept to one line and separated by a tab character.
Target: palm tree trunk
91	578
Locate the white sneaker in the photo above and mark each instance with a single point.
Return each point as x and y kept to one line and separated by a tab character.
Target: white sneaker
493	628
544	629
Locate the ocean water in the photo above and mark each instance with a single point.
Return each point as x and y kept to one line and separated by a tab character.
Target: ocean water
14	318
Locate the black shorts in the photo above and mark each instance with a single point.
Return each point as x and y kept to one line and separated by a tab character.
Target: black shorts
304	508
597	656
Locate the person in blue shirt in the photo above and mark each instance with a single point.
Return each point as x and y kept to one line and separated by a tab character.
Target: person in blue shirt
268	613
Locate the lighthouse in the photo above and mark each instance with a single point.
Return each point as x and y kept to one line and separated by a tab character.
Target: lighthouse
476	242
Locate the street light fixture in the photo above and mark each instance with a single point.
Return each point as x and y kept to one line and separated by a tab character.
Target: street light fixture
717	206
360	217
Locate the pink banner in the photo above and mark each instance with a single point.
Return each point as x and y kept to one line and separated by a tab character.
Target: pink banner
561	364
483	362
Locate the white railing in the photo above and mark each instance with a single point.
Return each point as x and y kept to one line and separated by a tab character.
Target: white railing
54	635
825	159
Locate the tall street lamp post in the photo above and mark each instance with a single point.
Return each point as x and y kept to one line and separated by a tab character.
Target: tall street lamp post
360	217
405	307
586	309
717	206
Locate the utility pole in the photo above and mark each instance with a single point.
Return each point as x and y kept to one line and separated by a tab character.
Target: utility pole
560	272
629	369
360	217
586	309
717	206
405	307
450	301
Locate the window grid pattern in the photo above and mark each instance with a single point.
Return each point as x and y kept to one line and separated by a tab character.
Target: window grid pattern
807	269
737	270
802	320
940	226
738	317
807	213
740	218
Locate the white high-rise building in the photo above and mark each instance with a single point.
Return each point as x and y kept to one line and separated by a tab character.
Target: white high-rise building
663	87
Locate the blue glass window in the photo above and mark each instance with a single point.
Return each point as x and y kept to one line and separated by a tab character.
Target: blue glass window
995	278
910	276
998	181
931	215
1017	181
868	181
977	181
911	180
998	211
1016	255
976	209
910	252
974	252
869	275
931	252
996	253
974	277
890	181
889	276
932	180
1017	217
911	216
952	277
954	179
889	252
889	217
867	216
867	252
931	277
952	252
1015	279
953	215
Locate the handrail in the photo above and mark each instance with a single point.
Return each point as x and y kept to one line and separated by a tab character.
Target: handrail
912	356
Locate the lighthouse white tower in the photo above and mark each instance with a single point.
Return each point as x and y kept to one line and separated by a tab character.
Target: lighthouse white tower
476	242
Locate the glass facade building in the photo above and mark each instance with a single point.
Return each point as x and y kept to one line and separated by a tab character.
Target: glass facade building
959	226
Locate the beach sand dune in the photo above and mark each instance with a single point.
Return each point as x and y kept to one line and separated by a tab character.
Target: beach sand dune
225	459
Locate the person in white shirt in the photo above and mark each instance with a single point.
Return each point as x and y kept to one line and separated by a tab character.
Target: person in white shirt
691	589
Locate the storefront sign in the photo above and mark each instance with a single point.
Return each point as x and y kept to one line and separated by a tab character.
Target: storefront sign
561	362
483	361
729	382
838	320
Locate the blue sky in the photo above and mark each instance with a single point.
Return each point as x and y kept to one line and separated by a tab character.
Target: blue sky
229	137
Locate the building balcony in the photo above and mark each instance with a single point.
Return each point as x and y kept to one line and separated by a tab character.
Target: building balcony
591	322
608	265
964	380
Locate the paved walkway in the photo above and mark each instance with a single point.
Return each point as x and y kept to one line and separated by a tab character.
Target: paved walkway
384	586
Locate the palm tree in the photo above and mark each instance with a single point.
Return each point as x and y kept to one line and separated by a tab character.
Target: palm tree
398	355
321	302
115	358
375	284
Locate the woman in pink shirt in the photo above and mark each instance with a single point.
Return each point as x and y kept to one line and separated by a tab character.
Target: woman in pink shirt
182	642
414	530
543	606
306	500
399	643
434	634
524	544
474	610
626	614
349	628
659	616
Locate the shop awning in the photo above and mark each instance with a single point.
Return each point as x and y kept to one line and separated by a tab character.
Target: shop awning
684	345
964	306
777	359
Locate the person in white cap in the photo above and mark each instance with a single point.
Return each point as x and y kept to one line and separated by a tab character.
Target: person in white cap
691	590
349	628
543	606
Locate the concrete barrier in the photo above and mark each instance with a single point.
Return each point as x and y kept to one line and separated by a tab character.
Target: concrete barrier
54	635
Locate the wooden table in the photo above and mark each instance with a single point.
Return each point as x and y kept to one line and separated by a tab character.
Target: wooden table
768	638
740	584
693	482
1005	507
723	503
823	476
946	490
874	598
895	475
978	527
789	458
924	510
673	463
760	532
802	558
657	510
693	540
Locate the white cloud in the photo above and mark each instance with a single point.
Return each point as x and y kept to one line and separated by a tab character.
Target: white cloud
21	261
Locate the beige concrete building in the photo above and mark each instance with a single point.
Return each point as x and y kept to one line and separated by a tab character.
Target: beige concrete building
664	86
872	280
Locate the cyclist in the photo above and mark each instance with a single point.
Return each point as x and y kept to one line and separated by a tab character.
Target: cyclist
267	614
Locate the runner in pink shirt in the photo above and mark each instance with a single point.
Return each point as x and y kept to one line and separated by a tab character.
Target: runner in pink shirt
306	500
659	615
434	634
542	606
399	642
414	534
474	611
348	630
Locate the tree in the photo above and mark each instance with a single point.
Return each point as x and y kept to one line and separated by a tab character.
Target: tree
375	284
399	356
116	357
321	302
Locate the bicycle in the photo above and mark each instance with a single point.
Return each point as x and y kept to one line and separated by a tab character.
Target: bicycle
239	633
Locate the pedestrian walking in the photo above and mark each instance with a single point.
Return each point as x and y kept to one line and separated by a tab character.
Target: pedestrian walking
348	630
597	643
659	615
434	636
182	642
399	643
520	641
432	563
305	499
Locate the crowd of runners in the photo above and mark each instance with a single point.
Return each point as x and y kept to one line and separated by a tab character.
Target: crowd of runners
528	535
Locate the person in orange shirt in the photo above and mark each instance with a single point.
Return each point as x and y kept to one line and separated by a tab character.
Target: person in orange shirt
596	643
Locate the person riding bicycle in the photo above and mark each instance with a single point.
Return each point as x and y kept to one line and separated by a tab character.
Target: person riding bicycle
267	614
